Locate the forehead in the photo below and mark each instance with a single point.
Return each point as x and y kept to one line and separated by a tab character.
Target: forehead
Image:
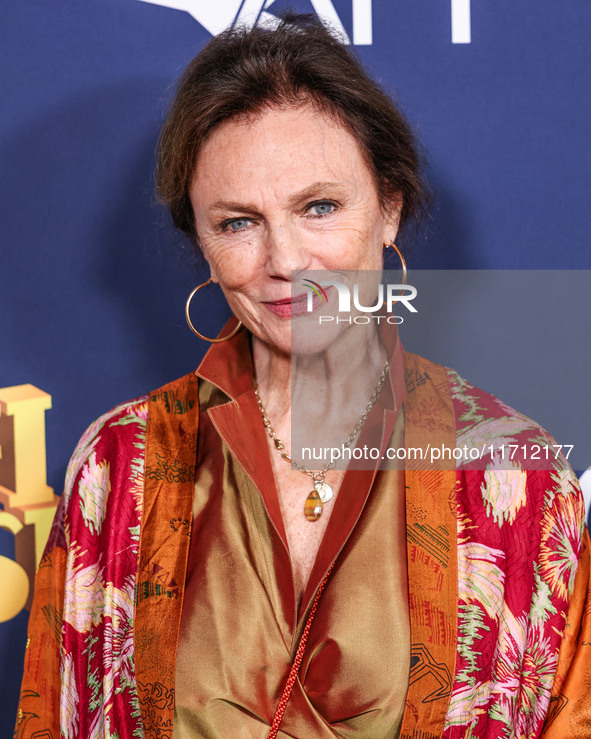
280	147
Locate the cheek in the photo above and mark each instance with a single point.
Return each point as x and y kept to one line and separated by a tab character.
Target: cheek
360	249
234	265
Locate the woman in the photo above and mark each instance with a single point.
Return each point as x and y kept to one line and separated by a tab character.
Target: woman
194	584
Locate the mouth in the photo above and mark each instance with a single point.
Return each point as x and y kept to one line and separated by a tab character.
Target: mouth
294	306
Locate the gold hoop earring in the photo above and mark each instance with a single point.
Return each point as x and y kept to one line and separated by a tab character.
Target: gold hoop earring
190	323
402	260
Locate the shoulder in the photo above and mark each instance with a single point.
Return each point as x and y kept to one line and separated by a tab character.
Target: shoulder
112	449
120	429
106	444
124	426
479	423
106	466
508	445
513	475
471	404
521	462
487	427
482	417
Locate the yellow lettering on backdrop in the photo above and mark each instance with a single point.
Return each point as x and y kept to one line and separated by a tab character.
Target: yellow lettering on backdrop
28	500
14	580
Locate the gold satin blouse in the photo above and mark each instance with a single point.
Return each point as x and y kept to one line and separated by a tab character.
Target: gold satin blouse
241	623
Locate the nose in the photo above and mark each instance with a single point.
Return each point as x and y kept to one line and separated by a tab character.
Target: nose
286	252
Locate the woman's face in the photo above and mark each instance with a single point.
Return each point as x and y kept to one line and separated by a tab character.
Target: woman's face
286	191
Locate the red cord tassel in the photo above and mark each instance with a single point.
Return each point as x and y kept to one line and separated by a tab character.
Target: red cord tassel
295	668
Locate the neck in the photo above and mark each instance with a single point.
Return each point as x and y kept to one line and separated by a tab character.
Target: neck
329	390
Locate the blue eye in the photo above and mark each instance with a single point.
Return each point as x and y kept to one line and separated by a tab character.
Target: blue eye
235	224
321	208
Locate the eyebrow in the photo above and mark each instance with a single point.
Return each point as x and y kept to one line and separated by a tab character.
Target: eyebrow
307	193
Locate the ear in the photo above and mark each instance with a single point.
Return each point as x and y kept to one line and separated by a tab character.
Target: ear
392	210
212	272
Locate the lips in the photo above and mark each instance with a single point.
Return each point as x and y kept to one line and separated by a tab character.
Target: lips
292	307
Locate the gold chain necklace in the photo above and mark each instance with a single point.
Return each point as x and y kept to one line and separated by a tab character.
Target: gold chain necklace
322	491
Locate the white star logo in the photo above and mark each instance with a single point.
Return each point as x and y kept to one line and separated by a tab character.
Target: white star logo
215	17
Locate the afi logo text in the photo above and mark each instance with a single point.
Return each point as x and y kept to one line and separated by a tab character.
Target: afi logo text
215	17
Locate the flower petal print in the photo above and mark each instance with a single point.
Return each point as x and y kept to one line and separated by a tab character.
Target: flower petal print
95	486
84	597
480	590
561	537
467	704
541	605
504	490
480	577
523	667
69	699
118	638
494	431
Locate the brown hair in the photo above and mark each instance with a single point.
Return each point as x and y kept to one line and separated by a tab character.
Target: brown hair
244	71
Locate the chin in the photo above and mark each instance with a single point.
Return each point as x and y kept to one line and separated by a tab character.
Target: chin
309	337
301	338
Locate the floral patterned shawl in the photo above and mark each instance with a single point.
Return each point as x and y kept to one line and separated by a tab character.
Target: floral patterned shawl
498	567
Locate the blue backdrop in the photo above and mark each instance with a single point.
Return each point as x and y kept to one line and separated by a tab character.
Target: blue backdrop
93	278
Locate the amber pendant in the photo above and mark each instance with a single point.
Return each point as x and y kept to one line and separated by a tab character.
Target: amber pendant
313	506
